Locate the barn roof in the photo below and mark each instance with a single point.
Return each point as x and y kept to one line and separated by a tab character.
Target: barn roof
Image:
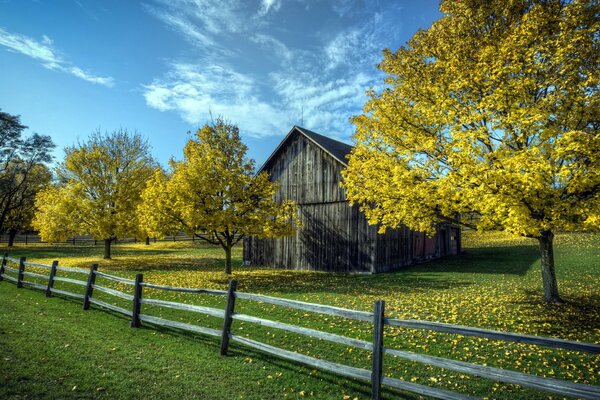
334	148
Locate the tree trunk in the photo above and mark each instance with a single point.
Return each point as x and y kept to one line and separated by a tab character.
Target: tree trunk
227	259
548	273
11	237
147	240
107	243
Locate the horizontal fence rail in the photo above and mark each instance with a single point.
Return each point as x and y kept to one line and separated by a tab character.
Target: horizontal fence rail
180	325
376	347
331	337
67	293
301	305
344	370
184	290
72	269
213	312
30	264
497	335
115	278
69	280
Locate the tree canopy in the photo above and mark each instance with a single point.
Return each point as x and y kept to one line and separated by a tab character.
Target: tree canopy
22	209
22	161
213	193
99	188
493	111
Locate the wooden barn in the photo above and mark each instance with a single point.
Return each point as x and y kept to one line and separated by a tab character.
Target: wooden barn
335	236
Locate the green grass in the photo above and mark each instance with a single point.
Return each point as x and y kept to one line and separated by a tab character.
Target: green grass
50	346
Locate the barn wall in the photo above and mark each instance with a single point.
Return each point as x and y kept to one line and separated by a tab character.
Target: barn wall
394	249
334	236
306	174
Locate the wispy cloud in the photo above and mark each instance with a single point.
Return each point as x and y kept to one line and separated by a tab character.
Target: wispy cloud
86	10
44	52
360	45
195	92
279	49
327	104
319	77
269	5
182	23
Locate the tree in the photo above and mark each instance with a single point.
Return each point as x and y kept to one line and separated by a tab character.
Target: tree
493	110
100	183
20	158
22	209
214	194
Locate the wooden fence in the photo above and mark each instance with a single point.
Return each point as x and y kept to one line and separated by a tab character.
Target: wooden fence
375	376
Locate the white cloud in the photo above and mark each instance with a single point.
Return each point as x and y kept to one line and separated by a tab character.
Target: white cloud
49	57
202	17
318	77
269	5
358	45
327	104
279	49
100	80
181	23
195	92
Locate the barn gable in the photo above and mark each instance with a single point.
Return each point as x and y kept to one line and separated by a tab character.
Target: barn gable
308	168
335	236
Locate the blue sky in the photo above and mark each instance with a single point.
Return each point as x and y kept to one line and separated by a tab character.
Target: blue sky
70	67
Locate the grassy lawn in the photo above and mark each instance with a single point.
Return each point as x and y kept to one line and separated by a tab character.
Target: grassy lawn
50	348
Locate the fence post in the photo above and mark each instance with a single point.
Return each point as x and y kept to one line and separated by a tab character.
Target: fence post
51	278
376	374
228	317
3	265
20	275
137	298
89	288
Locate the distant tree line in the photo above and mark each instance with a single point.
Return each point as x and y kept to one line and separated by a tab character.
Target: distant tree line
110	187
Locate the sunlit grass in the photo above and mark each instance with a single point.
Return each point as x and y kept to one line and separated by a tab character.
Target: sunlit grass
496	284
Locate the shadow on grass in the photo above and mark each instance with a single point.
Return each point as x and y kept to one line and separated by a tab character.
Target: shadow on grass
296	282
349	384
67	251
515	260
441	274
243	352
579	313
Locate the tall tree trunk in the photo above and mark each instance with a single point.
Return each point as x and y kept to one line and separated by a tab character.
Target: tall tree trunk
548	273
11	237
147	240
228	259
107	243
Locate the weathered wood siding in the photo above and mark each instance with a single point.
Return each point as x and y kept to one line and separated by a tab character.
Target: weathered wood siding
335	236
306	174
394	249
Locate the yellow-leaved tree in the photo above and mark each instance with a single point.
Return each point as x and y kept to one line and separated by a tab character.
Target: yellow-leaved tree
494	111
214	194
99	188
